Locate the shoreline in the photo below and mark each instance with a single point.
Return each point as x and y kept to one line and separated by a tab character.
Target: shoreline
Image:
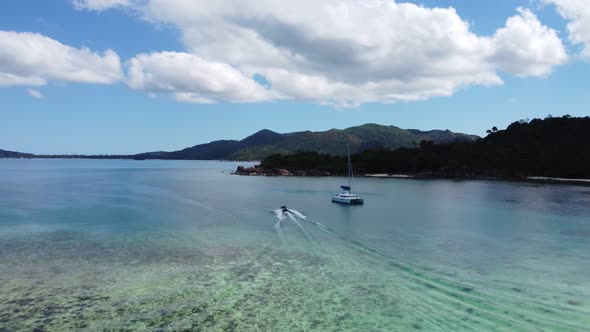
387	176
256	171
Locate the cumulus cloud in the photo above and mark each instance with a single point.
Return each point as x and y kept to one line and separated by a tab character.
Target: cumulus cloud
527	48
193	79
343	52
100	5
578	12
35	94
30	59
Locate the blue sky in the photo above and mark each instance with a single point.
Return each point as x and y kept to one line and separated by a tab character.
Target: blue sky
101	106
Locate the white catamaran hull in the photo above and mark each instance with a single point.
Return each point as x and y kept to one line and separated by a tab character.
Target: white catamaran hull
348	200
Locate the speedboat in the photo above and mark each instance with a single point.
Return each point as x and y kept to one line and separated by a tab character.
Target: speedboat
284	208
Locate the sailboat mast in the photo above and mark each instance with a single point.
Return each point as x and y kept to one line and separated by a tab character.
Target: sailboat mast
349	169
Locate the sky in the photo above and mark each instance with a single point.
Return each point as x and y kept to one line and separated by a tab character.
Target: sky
130	76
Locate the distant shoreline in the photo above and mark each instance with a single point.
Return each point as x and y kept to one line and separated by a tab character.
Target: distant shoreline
528	178
388	176
282	172
132	159
543	179
255	171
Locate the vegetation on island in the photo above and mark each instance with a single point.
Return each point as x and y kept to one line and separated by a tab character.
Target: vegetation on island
551	147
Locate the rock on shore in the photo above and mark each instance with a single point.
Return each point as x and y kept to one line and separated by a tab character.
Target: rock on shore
258	171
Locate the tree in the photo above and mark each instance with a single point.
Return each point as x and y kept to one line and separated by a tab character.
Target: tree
426	143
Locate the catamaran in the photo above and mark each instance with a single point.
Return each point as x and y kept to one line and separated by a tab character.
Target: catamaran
346	196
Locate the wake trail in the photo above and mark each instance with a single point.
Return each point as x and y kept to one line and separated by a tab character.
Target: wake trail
303	230
281	217
293	216
279	214
310	237
318	224
445	289
279	230
299	216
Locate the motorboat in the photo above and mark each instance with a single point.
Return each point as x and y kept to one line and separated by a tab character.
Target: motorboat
284	208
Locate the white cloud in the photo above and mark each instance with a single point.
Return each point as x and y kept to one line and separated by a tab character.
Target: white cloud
193	79
35	94
7	79
99	5
30	59
527	48
578	12
342	52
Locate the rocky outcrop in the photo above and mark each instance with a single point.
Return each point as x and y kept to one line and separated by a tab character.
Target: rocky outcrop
259	171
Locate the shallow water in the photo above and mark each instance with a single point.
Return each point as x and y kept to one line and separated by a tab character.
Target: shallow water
180	245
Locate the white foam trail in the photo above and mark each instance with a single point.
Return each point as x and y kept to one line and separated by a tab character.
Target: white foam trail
321	226
279	230
294	216
302	216
280	217
279	213
303	230
298	214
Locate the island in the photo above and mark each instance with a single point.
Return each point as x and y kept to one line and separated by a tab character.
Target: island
550	149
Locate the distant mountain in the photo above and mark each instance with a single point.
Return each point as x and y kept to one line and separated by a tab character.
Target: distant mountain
266	142
12	154
334	141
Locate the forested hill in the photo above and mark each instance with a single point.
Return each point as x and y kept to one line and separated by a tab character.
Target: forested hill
334	142
554	147
12	154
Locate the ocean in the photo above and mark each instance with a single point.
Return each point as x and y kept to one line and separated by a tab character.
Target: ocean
184	245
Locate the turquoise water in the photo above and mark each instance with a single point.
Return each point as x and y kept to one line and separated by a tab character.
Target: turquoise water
181	245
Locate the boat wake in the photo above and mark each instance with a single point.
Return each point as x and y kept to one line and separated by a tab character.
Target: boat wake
455	295
297	217
281	217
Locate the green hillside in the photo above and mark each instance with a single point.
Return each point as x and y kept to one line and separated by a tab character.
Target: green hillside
553	147
360	138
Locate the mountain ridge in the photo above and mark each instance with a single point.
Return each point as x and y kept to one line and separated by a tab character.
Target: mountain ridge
266	142
333	141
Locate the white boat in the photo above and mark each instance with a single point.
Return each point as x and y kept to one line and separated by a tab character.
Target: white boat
346	196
